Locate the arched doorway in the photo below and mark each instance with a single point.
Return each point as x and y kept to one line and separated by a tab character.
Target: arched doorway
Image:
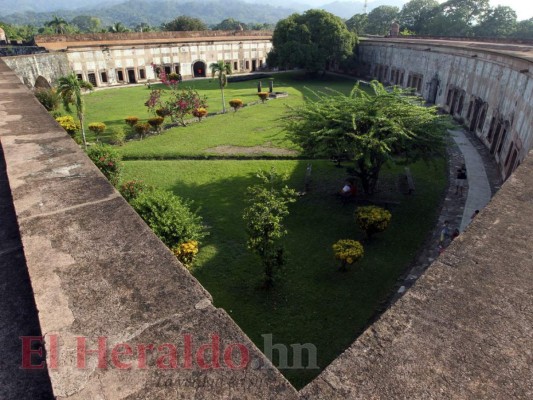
199	69
42	83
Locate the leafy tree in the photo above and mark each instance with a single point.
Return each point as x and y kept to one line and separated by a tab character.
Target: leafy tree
24	33
369	129
497	22
260	26
118	27
315	40
357	24
267	208
87	23
456	17
144	27
415	13
380	19
230	24
221	70
524	29
70	89
184	23
58	24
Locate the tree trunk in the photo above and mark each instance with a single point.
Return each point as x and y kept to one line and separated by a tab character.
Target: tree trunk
223	101
80	117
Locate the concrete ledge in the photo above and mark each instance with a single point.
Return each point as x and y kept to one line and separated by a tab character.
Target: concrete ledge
97	271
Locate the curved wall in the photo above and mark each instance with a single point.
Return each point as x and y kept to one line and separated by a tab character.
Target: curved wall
487	87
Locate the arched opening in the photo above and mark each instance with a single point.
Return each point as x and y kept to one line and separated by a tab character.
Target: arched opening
199	69
42	83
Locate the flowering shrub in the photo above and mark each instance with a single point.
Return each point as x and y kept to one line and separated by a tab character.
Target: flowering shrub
142	128
118	136
186	252
348	252
180	103
131	120
200	113
130	190
162	112
108	160
236	104
372	219
169	216
263	96
69	124
97	128
49	98
155	123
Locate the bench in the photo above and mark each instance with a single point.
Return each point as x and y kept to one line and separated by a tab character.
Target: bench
410	181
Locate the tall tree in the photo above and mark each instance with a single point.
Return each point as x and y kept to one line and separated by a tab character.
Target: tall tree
386	125
143	27
315	41
357	23
380	19
415	13
456	17
524	29
70	89
86	23
118	27
221	70
497	22
184	23
58	24
230	24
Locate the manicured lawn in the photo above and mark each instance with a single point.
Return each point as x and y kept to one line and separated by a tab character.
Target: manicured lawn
313	302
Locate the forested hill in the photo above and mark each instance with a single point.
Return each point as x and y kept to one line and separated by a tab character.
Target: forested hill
154	13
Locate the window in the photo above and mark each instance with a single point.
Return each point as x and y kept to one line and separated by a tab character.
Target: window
80	77
142	74
92	78
177	68
235	66
103	77
167	70
120	76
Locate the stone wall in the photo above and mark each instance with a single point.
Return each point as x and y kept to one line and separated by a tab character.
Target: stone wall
486	87
51	66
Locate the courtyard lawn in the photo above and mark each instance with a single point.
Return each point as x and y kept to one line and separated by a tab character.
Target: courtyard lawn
313	302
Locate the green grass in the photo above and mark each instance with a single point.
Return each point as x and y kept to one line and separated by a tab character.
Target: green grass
313	302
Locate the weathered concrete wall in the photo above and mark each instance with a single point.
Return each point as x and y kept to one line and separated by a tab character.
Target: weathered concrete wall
487	87
28	68
97	271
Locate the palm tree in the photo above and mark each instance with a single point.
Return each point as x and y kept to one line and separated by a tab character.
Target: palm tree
221	69
58	24
117	27
70	89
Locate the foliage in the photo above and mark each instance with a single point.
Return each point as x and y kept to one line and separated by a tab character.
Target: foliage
131	120
68	124
179	104
186	252
97	128
415	13
315	41
132	189
162	112
184	23
169	216
524	29
221	70
456	17
118	136
49	98
348	252
86	23
357	24
155	123
118	27
497	22
58	24
230	24
263	96
370	129
70	90
200	113
142	128
236	104
372	219
380	19
267	208
108	160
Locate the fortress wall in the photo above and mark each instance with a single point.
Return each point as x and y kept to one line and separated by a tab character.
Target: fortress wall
28	68
488	88
99	273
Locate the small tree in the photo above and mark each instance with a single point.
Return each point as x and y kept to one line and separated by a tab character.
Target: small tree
69	124
118	136
235	104
264	216
199	113
180	103
97	128
348	252
222	70
263	96
372	219
156	123
142	128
